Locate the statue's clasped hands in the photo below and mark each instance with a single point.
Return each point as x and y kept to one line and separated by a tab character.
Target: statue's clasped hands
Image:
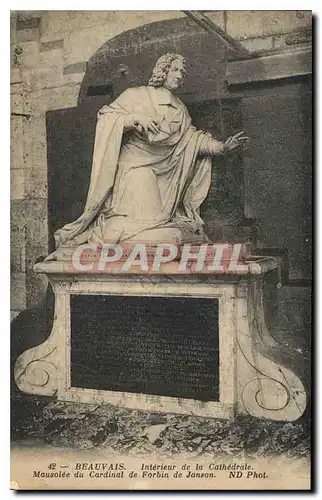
235	141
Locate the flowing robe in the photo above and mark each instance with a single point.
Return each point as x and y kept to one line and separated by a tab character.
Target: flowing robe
143	183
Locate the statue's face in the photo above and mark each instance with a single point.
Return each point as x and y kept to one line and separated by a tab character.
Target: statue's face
175	75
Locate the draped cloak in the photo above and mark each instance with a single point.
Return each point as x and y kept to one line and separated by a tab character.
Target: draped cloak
141	182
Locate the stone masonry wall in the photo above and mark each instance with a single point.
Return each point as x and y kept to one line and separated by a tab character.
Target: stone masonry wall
49	52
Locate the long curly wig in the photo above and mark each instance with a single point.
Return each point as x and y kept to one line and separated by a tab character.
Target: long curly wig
162	66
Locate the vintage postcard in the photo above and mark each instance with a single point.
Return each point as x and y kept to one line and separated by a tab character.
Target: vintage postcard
161	170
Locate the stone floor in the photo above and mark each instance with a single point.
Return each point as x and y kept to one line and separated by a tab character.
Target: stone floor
139	433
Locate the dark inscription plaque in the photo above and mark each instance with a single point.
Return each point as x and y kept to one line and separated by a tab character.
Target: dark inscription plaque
153	345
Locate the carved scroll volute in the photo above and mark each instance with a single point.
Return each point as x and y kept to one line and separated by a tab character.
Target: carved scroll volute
38	370
35	373
272	390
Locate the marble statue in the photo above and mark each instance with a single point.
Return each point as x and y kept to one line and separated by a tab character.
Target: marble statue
151	168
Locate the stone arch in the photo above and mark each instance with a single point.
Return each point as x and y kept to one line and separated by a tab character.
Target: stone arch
127	59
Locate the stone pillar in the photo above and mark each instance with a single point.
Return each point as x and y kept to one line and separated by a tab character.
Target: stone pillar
37	85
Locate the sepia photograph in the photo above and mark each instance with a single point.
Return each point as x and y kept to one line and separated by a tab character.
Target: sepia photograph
161	250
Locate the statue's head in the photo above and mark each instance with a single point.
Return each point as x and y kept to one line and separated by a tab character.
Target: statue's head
169	71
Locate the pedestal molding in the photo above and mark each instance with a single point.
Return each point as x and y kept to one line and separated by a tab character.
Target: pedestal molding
257	376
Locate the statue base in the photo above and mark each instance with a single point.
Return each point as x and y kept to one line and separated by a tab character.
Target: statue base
197	344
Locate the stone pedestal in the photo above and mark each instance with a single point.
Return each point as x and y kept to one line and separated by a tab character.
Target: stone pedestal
257	376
